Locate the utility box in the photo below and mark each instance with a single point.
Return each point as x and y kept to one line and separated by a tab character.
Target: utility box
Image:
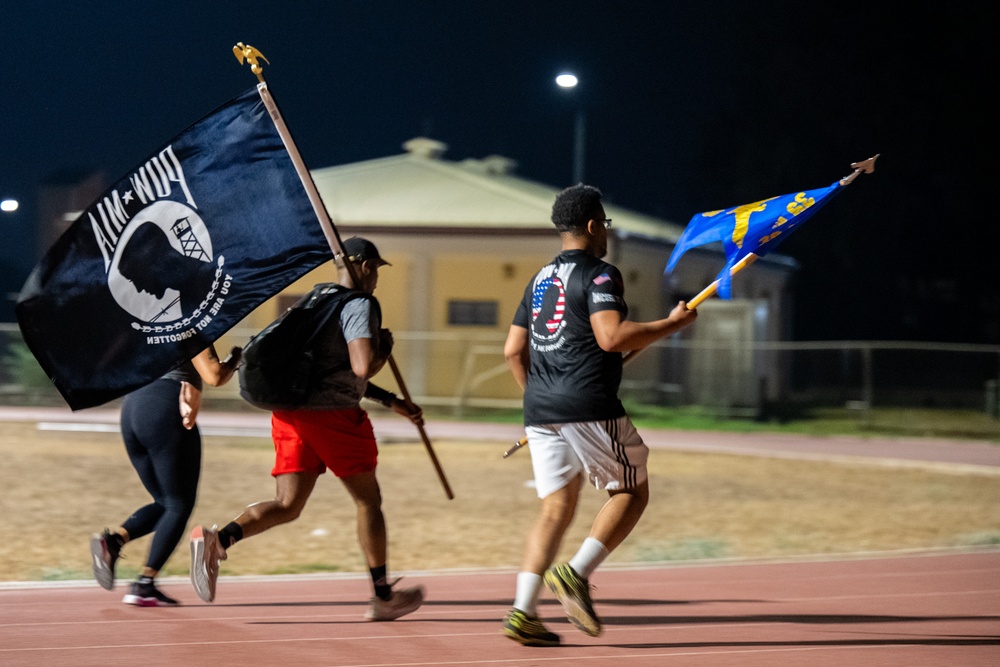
993	399
727	372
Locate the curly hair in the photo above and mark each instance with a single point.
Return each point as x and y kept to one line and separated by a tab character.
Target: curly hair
575	206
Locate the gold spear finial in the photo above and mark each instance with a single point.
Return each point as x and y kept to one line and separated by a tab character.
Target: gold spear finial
865	166
250	54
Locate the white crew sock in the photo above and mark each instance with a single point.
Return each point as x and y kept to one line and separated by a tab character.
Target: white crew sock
591	554
529	585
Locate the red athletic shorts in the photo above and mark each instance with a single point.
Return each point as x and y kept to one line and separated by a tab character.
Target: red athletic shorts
341	440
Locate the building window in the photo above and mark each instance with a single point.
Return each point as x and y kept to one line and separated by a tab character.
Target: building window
472	313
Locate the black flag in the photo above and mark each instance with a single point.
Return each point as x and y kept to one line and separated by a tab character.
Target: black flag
171	257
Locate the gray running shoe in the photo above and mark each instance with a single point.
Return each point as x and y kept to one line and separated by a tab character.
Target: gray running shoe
105	549
402	602
206	553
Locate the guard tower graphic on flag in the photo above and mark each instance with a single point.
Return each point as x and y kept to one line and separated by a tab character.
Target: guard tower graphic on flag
191	246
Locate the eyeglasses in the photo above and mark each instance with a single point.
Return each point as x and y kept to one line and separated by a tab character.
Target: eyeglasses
607	223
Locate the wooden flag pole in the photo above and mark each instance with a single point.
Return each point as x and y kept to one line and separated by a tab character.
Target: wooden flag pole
714	287
246	53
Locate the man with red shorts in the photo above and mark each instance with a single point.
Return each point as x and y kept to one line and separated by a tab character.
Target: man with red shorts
330	431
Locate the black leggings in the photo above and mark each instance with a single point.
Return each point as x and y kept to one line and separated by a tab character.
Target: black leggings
167	457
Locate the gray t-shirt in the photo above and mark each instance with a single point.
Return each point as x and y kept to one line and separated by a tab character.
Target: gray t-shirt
339	387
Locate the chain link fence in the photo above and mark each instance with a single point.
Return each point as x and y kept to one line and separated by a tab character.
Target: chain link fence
746	379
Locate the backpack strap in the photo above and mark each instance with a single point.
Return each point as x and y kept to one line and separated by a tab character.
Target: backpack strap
331	297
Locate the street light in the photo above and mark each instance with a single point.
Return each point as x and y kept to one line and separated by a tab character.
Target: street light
568	81
8	205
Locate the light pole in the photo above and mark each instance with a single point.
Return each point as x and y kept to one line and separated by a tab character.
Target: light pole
8	207
568	82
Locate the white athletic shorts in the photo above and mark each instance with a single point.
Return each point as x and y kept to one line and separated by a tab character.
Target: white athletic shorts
610	453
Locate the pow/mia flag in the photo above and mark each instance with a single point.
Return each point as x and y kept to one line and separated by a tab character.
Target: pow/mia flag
171	257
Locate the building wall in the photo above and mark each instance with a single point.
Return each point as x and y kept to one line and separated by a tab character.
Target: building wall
429	269
441	267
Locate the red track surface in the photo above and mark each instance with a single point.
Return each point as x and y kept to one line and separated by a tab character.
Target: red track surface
919	610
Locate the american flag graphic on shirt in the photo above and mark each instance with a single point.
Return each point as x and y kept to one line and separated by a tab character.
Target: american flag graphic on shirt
554	318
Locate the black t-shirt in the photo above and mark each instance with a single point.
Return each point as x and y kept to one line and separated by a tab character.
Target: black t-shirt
185	373
571	379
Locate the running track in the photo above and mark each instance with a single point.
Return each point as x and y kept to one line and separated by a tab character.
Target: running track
921	609
936	610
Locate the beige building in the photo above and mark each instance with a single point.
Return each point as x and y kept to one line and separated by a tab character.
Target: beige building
465	237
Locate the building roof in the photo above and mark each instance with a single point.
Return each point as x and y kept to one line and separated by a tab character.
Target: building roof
421	189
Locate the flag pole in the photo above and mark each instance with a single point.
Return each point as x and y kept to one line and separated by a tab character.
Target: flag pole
246	53
714	287
862	167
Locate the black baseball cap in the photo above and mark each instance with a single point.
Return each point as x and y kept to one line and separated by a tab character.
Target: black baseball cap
359	250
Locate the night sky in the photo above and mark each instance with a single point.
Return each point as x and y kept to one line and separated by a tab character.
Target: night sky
689	106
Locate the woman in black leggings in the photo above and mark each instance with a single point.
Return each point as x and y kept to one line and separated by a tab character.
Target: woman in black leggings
164	445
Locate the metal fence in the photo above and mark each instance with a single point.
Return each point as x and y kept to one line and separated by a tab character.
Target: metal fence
468	371
757	377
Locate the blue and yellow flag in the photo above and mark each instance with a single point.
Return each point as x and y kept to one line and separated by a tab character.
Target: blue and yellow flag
755	228
172	256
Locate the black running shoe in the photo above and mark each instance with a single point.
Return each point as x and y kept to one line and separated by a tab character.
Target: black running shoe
146	594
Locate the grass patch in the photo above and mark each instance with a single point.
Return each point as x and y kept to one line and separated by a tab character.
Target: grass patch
62	574
882	422
987	538
682	550
805	420
875	422
303	568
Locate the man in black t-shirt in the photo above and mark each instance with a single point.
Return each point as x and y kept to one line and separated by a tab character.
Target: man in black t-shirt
565	350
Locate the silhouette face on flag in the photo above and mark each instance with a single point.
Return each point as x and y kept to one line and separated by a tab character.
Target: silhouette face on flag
171	257
755	228
154	280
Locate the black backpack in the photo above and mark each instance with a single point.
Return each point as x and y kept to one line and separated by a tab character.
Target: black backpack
277	372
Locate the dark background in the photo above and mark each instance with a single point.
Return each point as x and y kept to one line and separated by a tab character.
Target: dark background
690	106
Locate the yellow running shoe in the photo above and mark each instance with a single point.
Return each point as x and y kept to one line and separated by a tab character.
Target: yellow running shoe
527	630
573	592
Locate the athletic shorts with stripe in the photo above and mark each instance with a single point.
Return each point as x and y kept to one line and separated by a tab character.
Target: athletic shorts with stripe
314	440
610	453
